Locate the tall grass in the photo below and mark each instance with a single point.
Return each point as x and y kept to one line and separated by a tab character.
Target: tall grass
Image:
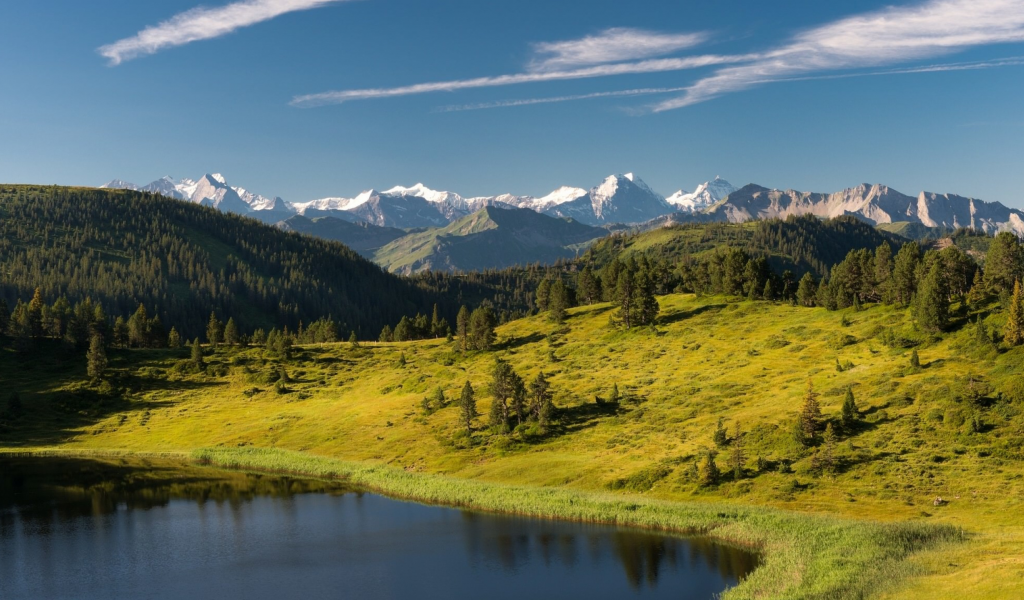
803	556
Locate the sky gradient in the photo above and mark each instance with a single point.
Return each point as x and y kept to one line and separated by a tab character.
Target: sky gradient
311	98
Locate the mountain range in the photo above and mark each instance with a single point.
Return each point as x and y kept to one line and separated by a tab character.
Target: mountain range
410	229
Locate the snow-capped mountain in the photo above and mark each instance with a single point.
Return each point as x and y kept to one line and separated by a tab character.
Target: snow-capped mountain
624	199
704	197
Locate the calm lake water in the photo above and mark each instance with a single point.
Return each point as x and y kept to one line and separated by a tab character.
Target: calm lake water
72	528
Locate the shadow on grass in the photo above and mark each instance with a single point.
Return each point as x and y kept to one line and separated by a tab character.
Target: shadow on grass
516	342
683	315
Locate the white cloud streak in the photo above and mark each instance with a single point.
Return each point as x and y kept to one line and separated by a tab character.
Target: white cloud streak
1011	61
647	66
202	24
880	38
618	44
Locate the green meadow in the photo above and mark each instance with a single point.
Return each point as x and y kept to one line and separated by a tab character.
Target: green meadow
923	500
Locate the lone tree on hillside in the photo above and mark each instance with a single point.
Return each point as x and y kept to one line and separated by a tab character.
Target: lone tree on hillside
467	406
97	358
810	415
481	328
850	413
462	328
197	354
720	437
173	339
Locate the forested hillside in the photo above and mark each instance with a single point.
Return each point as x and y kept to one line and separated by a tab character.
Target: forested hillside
183	261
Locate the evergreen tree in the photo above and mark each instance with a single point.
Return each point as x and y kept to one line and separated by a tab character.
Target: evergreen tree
736	454
558	301
481	328
35	315
215	330
810	415
932	300
614	397
543	295
1004	262
138	328
904	275
197	354
721	436
353	340
173	339
806	290
462	328
883	270
850	414
540	399
231	337
259	338
404	330
589	286
467	406
122	334
438	325
708	473
915	360
157	333
768	293
644	305
508	392
386	335
624	296
97	358
1013	333
828	453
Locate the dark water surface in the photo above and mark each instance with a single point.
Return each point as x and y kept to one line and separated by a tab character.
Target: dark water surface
77	528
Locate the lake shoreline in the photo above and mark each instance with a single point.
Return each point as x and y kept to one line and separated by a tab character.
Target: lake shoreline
798	554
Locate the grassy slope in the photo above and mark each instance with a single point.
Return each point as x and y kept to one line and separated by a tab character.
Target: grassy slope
711	358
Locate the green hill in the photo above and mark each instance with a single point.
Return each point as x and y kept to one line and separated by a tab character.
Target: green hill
950	428
491	238
183	261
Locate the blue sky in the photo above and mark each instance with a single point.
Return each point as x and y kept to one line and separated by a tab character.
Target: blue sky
313	98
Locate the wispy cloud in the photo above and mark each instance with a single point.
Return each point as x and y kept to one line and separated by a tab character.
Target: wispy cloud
880	38
1011	61
618	44
646	66
202	24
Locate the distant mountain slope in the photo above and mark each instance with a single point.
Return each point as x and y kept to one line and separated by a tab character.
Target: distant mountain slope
491	238
183	260
364	238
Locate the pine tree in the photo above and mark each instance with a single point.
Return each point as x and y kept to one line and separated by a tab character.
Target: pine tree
768	293
35	315
215	330
231	333
462	328
915	360
806	290
138	328
904	274
543	295
932	300
810	415
1013	333
467	406
481	328
828	453
197	354
614	397
386	335
644	305
1004	262
558	301
173	339
721	436
589	286
624	296
97	358
736	455
404	330
353	340
850	414
708	473
540	399
507	391
122	334
883	270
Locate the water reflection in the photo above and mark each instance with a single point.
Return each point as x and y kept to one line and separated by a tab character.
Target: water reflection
124	528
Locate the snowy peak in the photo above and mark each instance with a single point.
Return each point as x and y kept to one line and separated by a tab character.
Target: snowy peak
705	196
421	191
119	184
